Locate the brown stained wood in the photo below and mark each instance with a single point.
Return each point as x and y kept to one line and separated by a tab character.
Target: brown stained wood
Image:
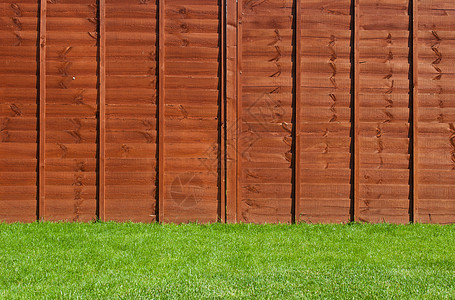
356	167
70	77
161	107
415	112
201	145
386	72
42	112
435	131
19	110
272	210
238	110
297	118
131	109
102	111
265	98
231	113
222	104
326	111
248	104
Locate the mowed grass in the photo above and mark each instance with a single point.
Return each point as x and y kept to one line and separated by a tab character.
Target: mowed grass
130	261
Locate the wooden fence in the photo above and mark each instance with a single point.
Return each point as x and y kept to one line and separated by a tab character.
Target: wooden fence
217	110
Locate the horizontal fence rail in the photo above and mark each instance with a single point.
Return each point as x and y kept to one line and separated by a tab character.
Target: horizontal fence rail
277	111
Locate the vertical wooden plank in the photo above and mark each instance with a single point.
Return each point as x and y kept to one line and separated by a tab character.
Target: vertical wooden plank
42	112
102	107
385	128
161	99
434	108
356	114
238	106
297	120
231	110
72	76
265	111
326	152
131	67
19	113
415	77
192	191
222	159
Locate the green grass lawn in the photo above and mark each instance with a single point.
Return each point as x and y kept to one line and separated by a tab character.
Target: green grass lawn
110	260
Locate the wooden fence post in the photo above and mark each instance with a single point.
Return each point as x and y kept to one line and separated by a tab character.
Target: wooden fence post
102	112
42	112
415	106
161	99
297	119
231	111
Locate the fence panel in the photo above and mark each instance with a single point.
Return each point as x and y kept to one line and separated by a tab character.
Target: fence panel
224	110
19	29
131	52
265	114
192	111
324	115
71	108
384	102
436	111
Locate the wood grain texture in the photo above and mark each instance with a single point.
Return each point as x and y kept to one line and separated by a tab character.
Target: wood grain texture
131	111
42	112
70	75
355	212
384	73
195	192
325	117
298	111
222	104
19	107
102	115
415	112
238	108
265	97
221	110
161	109
435	157
231	113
